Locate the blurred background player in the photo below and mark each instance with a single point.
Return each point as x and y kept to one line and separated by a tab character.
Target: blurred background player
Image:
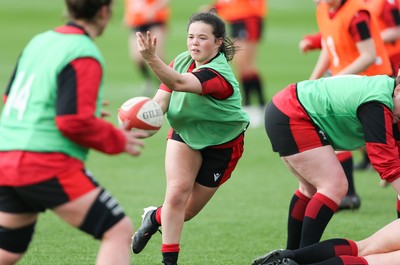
142	16
361	52
51	118
246	19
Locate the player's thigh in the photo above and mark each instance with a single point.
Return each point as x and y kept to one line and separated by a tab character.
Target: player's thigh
74	212
247	51
244	59
161	32
321	168
133	46
182	164
305	187
15	211
13	220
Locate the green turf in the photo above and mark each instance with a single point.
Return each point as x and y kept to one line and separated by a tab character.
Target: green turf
248	215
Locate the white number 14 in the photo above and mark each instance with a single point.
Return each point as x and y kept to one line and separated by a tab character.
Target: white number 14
18	98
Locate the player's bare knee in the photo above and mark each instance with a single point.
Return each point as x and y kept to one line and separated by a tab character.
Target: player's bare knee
340	188
7	257
104	214
16	240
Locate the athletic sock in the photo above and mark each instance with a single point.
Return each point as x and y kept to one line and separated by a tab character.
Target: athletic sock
250	83
246	91
297	209
156	216
346	160
343	260
318	213
350	260
170	253
325	250
365	157
144	70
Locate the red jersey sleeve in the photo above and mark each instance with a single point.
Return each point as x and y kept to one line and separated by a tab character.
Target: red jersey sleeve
390	14
213	84
360	26
396	134
78	87
315	40
382	149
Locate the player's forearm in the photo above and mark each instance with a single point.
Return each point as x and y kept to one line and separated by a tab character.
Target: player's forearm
321	66
164	73
390	34
359	65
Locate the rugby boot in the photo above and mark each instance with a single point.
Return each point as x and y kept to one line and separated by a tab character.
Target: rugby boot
274	257
145	231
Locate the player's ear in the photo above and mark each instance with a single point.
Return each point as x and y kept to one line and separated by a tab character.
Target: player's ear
105	12
219	41
397	85
396	89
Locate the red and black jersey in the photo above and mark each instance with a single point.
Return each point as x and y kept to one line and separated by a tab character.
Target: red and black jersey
381	137
78	85
77	90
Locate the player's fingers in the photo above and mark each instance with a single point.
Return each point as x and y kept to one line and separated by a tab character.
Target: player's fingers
139	39
149	39
154	41
139	134
124	126
133	150
105	113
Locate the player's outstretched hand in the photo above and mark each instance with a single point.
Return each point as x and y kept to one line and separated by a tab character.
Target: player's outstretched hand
305	45
133	144
147	45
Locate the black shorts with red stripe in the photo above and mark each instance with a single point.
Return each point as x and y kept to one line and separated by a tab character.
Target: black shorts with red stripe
218	161
249	29
147	27
46	194
291	131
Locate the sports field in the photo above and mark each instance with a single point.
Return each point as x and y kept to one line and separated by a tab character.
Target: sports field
247	216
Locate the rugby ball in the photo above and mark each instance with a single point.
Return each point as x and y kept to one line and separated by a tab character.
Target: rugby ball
141	113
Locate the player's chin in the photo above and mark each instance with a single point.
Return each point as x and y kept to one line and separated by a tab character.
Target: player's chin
195	55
